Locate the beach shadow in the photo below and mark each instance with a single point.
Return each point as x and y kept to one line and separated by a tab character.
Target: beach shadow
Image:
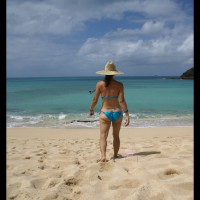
146	153
143	153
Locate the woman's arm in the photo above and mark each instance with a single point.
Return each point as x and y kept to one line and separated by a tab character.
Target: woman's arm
95	99
123	104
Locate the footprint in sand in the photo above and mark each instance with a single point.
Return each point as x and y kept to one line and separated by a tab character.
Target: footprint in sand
104	166
144	192
51	195
64	151
27	157
169	173
163	140
76	162
67	186
185	186
56	175
21	172
41	167
41	159
25	172
127	183
71	181
13	195
126	169
14	186
39	152
50	183
56	166
37	183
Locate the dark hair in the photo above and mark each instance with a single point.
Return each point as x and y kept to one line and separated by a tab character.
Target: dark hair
108	79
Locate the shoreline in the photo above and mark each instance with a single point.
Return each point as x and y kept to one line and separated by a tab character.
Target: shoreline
77	121
85	127
89	132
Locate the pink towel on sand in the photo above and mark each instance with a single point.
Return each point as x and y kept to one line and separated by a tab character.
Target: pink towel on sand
129	152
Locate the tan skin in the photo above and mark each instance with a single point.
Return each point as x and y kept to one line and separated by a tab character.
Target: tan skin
114	89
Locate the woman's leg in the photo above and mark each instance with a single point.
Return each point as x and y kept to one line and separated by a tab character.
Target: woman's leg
104	129
116	139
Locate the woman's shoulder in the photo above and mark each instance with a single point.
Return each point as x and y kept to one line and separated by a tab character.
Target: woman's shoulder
100	82
119	83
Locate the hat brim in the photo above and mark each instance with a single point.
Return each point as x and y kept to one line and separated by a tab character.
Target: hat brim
103	72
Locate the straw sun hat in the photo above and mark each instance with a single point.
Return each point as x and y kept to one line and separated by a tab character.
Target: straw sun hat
110	69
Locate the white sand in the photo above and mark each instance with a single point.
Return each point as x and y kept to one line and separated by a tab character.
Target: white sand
156	164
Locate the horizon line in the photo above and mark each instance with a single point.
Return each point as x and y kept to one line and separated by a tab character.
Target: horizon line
92	76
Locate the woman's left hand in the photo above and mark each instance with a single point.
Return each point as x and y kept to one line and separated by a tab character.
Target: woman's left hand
127	121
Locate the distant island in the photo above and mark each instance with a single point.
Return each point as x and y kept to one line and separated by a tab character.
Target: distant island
189	74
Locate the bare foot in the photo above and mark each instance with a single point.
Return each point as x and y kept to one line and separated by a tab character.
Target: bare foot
102	160
115	157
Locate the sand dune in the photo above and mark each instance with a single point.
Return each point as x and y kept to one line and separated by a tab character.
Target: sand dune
153	164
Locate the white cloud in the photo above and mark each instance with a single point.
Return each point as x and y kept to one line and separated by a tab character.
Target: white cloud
66	17
187	46
34	55
148	28
105	48
42	34
159	51
31	18
158	8
152	27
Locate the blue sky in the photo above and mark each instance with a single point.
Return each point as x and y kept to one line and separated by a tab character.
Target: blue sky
77	37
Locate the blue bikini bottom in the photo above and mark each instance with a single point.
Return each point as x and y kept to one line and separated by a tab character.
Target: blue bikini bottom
113	116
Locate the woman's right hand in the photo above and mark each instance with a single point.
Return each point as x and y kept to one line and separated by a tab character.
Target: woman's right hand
127	121
91	112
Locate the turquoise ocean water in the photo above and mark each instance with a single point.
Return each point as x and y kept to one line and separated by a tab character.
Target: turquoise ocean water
60	102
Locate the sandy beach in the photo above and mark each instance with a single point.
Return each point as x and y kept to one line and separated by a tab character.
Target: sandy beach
61	164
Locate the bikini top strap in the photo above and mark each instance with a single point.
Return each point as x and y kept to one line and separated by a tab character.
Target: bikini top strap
109	97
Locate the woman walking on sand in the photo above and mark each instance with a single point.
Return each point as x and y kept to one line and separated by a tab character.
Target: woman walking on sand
113	106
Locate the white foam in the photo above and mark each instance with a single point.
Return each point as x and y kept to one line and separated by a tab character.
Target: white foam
72	120
16	117
62	116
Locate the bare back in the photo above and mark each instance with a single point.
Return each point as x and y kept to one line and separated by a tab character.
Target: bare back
115	89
